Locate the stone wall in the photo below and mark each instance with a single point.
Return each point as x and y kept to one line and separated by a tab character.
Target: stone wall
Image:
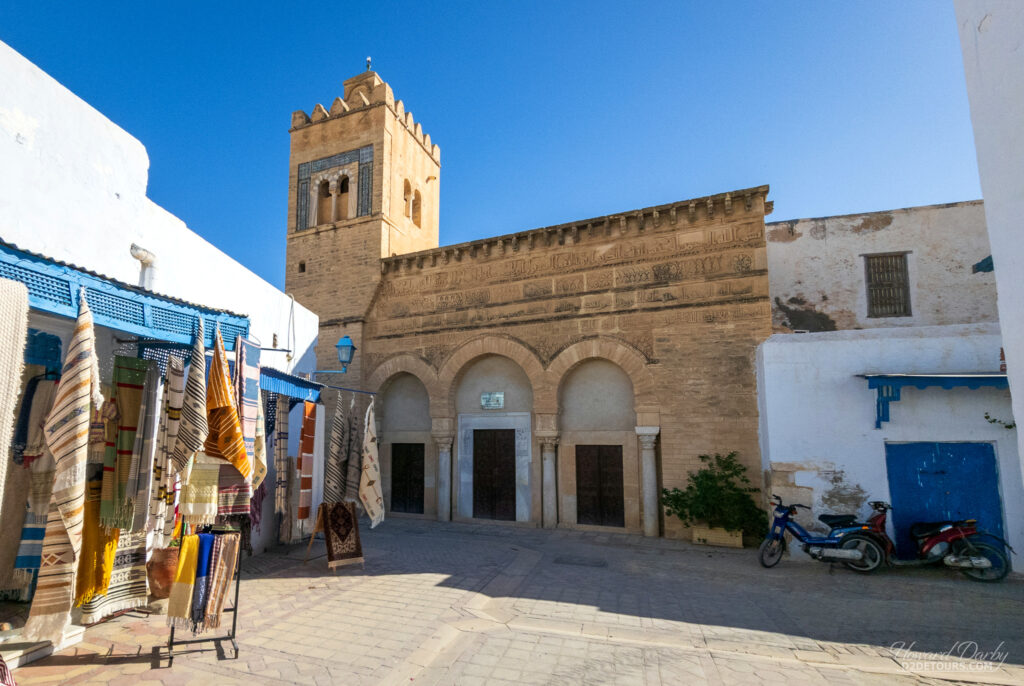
676	295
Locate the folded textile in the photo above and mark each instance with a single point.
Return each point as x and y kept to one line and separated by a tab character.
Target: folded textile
140	478
13	334
67	437
259	447
221	576
30	549
281	462
42	403
96	561
225	438
129	384
336	459
198	503
20	439
247	398
6	678
369	483
162	498
193	429
199	618
128	587
341	534
306	459
234	492
179	604
354	463
199	593
256	506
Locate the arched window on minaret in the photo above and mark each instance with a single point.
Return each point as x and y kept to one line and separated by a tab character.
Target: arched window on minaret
323	203
407	199
417	202
342	200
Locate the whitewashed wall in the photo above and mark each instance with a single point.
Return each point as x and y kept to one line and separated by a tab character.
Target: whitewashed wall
73	187
818	435
991	32
816	267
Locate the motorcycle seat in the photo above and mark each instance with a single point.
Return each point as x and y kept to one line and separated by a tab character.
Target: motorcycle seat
926	529
837	520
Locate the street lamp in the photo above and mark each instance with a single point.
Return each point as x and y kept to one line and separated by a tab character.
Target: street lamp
346	350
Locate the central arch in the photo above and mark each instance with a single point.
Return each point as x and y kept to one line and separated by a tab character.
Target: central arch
490	388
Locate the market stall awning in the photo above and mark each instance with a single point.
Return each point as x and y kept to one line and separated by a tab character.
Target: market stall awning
54	287
888	386
290	385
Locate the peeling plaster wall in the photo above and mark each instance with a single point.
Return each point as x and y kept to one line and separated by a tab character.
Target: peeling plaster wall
991	36
818	439
816	267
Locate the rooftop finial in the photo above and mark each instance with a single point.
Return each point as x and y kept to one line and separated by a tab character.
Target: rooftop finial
367	64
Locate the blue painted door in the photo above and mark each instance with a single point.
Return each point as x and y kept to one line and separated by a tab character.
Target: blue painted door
935	481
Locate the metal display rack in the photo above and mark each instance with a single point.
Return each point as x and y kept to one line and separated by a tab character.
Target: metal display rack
232	635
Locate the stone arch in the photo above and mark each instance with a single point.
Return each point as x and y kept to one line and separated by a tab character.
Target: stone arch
410	364
342	201
628	358
506	346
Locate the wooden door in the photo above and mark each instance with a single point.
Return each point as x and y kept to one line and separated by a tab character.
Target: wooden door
599	497
494	474
407	477
933	482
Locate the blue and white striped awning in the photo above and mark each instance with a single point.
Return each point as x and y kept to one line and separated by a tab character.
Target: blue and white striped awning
282	383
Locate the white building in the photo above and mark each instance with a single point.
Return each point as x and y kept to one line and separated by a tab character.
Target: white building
885	396
73	188
991	32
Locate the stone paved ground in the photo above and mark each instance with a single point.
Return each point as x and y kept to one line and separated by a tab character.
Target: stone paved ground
468	604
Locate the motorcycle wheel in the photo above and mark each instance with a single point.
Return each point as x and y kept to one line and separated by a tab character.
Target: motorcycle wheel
873	558
1000	565
771	551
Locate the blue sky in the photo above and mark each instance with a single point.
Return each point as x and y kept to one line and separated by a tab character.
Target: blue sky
545	112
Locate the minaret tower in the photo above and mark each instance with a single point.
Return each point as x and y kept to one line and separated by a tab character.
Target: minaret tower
363	183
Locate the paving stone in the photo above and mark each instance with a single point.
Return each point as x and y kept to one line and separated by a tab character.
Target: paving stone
659	612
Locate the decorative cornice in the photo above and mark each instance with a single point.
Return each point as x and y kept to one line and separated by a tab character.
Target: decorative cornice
659	217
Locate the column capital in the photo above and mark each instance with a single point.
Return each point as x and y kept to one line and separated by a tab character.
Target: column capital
443	440
548	439
647	435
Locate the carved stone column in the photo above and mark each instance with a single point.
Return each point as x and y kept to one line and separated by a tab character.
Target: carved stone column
443	483
549	488
649	478
315	215
334	199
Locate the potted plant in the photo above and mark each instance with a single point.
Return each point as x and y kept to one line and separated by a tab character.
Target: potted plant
717	503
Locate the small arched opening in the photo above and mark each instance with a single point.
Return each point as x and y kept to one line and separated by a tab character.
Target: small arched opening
407	199
323	203
343	199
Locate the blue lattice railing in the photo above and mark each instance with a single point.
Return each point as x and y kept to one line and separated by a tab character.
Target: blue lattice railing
53	287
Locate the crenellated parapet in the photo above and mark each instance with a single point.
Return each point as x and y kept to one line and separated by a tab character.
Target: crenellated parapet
686	215
363	92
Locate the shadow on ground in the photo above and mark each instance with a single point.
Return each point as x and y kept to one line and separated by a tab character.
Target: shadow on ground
673	586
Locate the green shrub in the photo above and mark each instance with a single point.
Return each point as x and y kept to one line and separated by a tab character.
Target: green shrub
718	495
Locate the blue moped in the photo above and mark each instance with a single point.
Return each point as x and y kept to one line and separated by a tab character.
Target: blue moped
848	541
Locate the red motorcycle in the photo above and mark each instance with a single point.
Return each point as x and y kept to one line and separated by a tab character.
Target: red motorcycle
957	544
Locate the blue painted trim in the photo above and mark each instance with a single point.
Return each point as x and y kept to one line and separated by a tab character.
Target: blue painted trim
888	386
292	386
54	288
